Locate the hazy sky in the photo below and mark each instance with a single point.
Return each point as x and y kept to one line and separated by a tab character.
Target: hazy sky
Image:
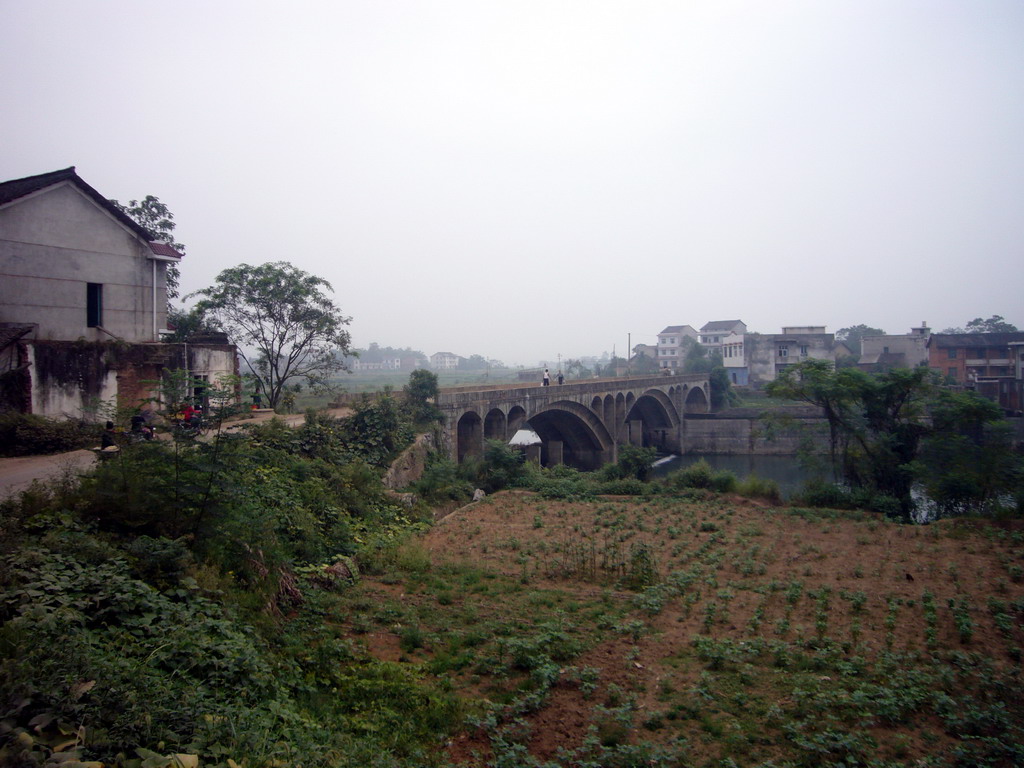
523	179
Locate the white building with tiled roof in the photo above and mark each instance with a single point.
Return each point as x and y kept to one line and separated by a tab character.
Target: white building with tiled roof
673	343
443	361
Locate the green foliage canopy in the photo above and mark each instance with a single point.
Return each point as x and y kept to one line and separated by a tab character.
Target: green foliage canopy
420	393
890	430
994	324
284	323
876	422
155	216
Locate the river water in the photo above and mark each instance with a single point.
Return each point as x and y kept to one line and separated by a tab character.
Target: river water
787	471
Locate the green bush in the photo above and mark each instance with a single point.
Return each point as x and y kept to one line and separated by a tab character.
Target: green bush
503	466
754	487
697	475
376	432
26	434
817	493
701	475
723	481
633	463
442	481
625	487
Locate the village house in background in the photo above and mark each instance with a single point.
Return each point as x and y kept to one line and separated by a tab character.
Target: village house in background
444	361
989	363
385	364
673	343
713	334
83	304
880	353
756	358
750	359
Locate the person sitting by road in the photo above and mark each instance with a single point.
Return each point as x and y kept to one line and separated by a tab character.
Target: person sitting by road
139	428
109	437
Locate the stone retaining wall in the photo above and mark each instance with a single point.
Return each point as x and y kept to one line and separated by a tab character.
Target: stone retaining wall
742	434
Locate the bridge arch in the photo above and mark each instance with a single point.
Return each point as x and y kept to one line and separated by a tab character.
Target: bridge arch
572	434
495	425
516	419
696	401
657	419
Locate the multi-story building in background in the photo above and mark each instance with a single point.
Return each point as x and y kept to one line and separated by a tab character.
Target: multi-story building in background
444	361
673	343
989	363
713	334
768	354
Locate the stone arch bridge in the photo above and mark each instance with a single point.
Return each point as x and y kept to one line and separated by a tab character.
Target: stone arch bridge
580	423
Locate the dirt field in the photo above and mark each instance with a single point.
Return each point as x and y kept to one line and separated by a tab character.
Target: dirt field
714	629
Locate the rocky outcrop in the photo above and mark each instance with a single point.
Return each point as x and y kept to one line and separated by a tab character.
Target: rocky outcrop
409	466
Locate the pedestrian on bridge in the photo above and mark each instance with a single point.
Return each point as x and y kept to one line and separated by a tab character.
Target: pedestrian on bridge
547	378
561	379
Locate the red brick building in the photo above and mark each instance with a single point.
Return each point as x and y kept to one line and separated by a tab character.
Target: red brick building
986	362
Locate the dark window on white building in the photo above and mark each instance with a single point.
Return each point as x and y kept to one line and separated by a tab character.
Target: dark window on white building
94	304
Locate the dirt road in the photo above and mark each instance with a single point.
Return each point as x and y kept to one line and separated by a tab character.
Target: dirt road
17	474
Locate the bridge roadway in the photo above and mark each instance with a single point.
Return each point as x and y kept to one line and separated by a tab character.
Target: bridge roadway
581	422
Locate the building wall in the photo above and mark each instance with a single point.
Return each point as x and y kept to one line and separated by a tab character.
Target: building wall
673	346
52	245
82	379
913	347
764	352
442	361
734	358
948	361
69	382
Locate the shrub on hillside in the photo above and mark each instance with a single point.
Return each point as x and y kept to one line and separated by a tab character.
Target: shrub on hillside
701	475
628	486
817	493
503	466
754	487
442	481
633	462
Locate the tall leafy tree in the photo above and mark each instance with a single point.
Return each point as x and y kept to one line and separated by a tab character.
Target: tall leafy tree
187	322
420	395
153	215
876	421
642	363
994	324
285	325
576	369
968	460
